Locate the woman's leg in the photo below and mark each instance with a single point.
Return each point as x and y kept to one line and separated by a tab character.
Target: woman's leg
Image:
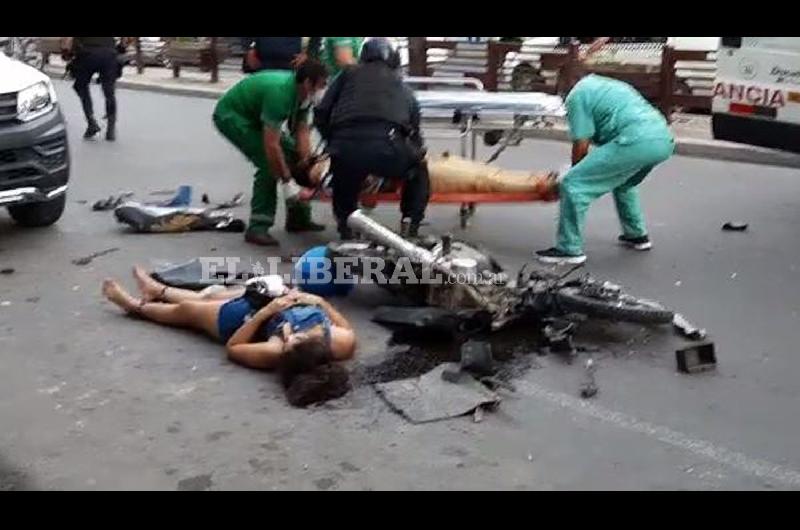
152	289
199	315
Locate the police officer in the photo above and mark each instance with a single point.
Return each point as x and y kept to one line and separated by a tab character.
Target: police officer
96	55
280	53
371	122
252	115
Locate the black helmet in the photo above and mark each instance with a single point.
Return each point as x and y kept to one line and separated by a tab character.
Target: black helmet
380	49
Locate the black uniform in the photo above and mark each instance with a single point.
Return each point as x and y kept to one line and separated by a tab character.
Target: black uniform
371	122
96	55
277	53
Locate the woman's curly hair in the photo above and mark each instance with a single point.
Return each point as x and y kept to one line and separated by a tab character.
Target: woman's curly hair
309	375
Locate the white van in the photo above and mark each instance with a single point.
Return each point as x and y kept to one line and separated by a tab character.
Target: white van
757	92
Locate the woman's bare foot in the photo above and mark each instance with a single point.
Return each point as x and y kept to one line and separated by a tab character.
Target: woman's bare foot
151	289
115	293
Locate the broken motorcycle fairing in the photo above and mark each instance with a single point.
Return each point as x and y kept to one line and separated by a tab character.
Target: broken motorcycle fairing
163	219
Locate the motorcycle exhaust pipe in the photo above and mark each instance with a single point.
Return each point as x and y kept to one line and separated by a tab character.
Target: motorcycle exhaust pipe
376	232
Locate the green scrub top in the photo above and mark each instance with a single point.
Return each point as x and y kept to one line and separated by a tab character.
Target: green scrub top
267	98
603	110
331	43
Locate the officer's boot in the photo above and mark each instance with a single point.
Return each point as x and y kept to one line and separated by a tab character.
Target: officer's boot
92	128
111	130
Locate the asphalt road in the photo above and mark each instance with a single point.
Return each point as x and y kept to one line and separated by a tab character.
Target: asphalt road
92	399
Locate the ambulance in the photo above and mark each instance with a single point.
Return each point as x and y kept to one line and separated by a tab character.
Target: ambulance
756	98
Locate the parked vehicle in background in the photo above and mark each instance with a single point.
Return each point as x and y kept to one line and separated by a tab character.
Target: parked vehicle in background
34	153
523	69
23	49
757	92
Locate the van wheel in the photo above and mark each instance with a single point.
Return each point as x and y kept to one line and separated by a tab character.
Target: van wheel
39	213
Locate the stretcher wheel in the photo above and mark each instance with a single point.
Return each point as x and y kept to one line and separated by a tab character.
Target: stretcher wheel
465	214
492	138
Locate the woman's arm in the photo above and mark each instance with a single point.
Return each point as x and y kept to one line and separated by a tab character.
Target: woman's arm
343	343
337	319
259	355
245	333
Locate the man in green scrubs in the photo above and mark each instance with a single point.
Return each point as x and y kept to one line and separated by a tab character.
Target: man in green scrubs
631	137
252	115
338	52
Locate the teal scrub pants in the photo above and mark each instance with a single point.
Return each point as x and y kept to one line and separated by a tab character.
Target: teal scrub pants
614	168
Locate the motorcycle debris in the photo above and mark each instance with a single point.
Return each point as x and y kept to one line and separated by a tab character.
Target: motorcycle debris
589	386
476	358
88	259
687	329
452	375
112	202
696	358
735	226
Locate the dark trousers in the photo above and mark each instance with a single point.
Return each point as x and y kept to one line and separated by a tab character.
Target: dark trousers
89	62
355	154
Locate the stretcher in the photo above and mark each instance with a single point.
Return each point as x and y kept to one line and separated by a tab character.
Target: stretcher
467	111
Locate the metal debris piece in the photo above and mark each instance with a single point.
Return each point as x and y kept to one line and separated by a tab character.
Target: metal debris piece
476	358
558	334
88	259
112	202
687	329
589	387
696	358
452	374
735	226
235	201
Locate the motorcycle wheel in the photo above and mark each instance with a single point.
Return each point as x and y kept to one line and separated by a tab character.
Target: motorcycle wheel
640	311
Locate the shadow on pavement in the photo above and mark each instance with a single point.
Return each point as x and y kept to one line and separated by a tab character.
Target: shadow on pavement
13	479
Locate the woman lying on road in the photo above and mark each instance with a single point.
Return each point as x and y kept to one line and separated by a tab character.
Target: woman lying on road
296	322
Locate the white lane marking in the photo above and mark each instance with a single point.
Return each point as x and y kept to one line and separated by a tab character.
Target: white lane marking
752	466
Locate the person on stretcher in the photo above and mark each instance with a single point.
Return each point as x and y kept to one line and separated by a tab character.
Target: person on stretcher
448	174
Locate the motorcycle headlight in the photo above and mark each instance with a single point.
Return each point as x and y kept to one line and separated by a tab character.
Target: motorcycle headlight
35	101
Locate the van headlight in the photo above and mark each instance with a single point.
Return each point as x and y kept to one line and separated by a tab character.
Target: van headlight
34	101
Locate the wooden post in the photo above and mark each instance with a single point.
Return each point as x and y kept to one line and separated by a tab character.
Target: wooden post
667	88
492	61
139	61
214	61
417	57
572	62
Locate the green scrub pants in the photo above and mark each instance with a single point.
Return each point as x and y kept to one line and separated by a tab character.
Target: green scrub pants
249	139
608	168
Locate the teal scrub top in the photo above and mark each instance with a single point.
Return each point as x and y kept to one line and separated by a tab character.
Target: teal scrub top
603	110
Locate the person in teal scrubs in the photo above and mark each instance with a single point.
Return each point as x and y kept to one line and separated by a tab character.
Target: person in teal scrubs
630	137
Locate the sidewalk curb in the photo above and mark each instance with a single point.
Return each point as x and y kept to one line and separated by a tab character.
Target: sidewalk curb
690	147
207	93
697	148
